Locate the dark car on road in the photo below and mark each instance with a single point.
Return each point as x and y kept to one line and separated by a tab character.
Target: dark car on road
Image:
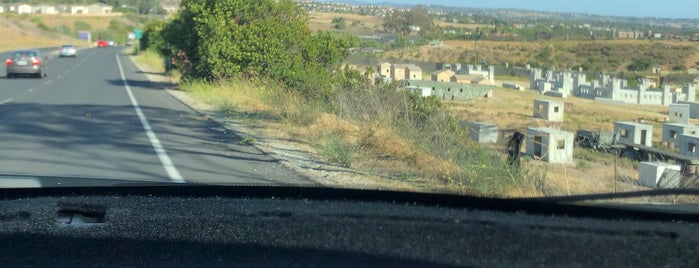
25	62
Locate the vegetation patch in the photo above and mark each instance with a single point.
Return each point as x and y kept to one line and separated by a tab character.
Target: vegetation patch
247	140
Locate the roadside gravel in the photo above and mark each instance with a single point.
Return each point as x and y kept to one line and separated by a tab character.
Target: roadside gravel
296	155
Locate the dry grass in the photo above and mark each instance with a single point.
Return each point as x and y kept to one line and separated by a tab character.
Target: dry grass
364	24
19	33
519	52
95	22
368	145
374	146
512	110
149	58
369	24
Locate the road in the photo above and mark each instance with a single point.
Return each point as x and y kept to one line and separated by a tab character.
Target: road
97	116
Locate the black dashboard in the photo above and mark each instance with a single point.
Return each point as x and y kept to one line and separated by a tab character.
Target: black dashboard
218	226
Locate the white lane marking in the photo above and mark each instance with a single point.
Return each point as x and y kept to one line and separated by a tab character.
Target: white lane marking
157	146
47	82
6	101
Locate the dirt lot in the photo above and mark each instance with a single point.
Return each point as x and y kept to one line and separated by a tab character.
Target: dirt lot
360	24
356	24
512	110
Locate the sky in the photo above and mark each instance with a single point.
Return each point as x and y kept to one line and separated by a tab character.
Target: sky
688	9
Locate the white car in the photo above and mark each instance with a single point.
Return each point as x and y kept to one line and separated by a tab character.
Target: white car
68	51
110	43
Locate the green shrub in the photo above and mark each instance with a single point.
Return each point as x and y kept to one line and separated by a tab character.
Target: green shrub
335	148
64	30
82	26
266	38
43	26
247	140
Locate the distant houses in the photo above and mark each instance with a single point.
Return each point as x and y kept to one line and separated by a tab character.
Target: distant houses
464	73
445	84
607	89
47	9
73	9
456	73
397	72
448	90
443	75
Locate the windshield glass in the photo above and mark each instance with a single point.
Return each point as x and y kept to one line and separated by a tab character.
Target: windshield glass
498	99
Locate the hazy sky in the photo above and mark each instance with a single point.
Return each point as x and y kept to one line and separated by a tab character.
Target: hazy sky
634	8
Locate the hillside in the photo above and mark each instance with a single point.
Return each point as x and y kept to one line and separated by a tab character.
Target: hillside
22	33
608	56
591	55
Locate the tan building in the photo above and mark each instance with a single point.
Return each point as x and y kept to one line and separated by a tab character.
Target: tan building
625	35
414	72
481	81
442	75
398	71
468	78
654	80
99	8
384	69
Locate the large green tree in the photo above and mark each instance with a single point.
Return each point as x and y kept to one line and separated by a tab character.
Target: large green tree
641	64
217	39
404	22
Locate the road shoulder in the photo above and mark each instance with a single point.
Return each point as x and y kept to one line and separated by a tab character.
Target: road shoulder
294	155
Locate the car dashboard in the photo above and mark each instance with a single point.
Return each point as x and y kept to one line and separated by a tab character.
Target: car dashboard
217	226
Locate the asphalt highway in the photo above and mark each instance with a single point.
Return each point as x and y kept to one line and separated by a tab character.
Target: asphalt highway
97	116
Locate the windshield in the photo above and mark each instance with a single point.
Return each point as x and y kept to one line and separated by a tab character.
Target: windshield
24	54
498	99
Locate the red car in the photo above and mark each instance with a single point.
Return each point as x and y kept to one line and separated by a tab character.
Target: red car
101	43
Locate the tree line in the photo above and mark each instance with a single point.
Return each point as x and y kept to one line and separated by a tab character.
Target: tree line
219	39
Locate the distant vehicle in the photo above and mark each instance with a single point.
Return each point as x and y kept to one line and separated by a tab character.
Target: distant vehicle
68	51
102	43
25	62
110	43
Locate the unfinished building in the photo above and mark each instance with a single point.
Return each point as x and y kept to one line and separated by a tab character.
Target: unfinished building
688	145
693	108
550	145
481	132
472	70
551	110
659	175
448	90
607	89
397	72
678	113
634	133
672	130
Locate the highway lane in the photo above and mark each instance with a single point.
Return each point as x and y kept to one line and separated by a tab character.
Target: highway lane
98	116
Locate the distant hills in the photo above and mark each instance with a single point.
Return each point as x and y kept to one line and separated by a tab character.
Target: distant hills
531	15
